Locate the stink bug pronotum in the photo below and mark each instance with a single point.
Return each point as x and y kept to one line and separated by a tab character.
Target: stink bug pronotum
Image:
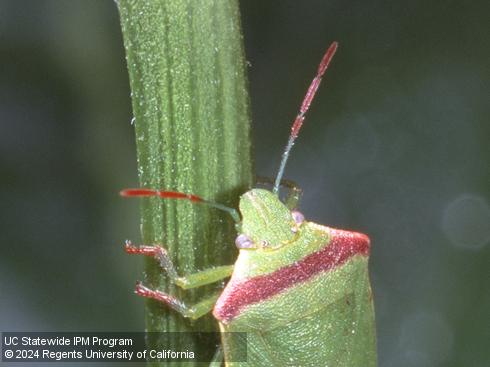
299	290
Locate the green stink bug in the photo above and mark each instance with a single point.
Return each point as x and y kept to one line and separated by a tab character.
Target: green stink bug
299	290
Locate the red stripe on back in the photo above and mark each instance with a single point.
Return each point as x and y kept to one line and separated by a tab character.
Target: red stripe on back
238	294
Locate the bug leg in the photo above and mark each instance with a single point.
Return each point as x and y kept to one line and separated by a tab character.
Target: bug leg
204	277
189	281
293	194
185	282
155	251
193	312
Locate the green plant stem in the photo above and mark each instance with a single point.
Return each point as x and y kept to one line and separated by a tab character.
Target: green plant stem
189	93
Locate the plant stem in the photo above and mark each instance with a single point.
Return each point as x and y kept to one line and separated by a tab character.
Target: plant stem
190	103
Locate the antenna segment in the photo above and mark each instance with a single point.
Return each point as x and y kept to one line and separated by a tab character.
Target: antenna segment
179	195
298	122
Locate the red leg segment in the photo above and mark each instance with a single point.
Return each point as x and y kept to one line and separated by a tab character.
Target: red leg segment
174	303
155	251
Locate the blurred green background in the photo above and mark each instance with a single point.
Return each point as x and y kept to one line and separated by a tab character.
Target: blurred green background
396	146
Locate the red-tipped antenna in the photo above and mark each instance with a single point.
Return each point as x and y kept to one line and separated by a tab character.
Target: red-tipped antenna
161	194
179	195
305	105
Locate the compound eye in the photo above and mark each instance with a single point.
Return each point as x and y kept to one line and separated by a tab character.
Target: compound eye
243	241
298	217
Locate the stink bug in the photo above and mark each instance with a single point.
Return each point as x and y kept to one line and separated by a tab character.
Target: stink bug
299	290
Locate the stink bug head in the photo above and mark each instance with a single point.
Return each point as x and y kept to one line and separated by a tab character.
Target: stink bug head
266	221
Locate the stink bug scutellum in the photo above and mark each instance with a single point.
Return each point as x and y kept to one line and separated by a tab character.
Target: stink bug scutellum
299	290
